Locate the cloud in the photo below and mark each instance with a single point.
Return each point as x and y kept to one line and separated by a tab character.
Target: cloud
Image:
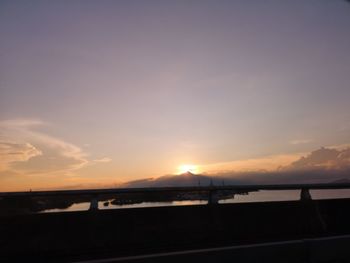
28	151
300	141
323	159
103	160
268	163
322	165
11	152
20	123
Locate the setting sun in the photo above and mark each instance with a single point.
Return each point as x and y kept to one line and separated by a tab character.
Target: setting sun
188	168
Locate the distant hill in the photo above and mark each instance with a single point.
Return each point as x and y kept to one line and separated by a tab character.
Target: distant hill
185	179
341	181
191	179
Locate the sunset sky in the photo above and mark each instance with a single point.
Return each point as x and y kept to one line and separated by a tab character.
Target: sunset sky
96	93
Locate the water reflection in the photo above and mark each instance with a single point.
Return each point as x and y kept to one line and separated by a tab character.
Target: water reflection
86	205
264	196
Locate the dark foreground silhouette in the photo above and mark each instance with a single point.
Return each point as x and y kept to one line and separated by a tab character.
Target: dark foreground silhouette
73	236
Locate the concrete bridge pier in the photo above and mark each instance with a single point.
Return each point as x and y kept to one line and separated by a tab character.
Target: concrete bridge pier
213	197
305	194
94	203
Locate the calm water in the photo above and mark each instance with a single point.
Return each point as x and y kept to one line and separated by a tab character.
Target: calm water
86	205
261	196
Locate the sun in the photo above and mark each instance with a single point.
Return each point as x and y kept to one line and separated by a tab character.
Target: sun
185	168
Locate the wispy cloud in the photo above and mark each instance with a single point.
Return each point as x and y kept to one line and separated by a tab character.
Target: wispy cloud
300	141
26	150
20	123
11	152
103	160
268	163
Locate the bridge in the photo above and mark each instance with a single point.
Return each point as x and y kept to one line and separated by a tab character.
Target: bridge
211	190
305	230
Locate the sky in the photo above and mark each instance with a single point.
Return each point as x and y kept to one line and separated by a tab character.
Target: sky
97	93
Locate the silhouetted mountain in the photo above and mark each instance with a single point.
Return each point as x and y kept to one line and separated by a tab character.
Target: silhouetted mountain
185	179
341	181
319	166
